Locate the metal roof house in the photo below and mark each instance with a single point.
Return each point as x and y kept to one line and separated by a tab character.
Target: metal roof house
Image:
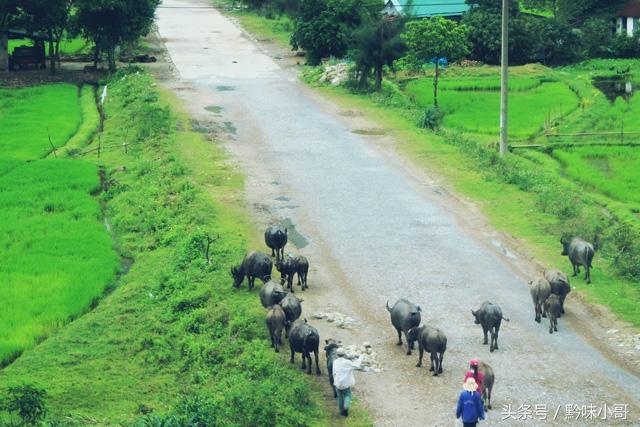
628	19
426	8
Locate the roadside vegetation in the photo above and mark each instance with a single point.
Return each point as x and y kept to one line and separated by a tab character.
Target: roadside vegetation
557	187
174	341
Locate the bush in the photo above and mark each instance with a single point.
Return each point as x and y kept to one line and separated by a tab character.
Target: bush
28	402
625	241
626	47
432	118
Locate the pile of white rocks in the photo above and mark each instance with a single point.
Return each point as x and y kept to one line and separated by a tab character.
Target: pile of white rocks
340	320
370	360
335	74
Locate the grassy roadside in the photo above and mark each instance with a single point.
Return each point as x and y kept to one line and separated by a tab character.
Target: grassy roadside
174	341
507	206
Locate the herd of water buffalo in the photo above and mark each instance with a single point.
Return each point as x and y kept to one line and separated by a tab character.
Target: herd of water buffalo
284	308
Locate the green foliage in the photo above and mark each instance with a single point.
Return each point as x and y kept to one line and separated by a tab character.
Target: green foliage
377	43
88	127
626	243
110	23
28	402
597	38
31	114
626	47
432	118
436	38
323	28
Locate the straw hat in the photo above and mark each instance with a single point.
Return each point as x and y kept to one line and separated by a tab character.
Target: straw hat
341	352
470	384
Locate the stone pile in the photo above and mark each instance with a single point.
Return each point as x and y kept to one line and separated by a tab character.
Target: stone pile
335	74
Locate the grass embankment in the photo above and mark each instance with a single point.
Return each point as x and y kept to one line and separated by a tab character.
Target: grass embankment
88	127
174	336
56	257
29	116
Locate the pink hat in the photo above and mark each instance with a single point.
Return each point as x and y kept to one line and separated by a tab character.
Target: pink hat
473	362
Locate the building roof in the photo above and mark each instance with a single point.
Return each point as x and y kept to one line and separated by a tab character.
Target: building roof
20	33
632	9
426	8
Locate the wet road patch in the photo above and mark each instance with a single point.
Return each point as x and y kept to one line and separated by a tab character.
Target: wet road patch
295	237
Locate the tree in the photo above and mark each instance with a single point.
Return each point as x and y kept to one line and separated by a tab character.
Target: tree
377	42
111	23
436	38
28	402
51	17
8	9
324	27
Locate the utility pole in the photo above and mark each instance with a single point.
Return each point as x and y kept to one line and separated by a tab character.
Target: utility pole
504	78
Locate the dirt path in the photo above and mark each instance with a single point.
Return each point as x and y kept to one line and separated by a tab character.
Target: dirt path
375	228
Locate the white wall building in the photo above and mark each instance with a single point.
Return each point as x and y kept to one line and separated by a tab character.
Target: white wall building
628	20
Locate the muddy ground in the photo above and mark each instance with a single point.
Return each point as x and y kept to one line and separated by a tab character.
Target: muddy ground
377	228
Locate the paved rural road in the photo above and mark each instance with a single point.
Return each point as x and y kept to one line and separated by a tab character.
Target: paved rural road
375	229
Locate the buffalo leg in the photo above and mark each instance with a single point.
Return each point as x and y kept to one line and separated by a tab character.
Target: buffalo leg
495	346
292	354
434	363
431	364
440	362
399	337
421	351
562	297
250	280
409	344
484	331
273	253
487	392
576	270
587	274
315	354
538	311
544	310
304	361
304	281
493	340
290	282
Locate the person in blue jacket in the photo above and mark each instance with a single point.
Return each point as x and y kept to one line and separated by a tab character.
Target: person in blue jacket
470	406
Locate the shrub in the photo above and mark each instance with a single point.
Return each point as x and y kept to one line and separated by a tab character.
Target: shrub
625	241
28	402
432	118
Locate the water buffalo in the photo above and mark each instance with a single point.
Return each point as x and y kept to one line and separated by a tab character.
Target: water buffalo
292	309
580	253
287	268
254	264
540	290
552	305
275	323
431	340
489	316
302	269
271	293
404	316
304	338
330	352
276	238
559	285
487	384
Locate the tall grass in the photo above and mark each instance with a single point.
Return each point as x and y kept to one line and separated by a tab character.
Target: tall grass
56	256
90	123
478	111
29	116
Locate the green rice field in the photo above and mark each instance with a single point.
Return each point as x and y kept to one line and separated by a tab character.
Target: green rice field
29	116
56	256
472	104
613	171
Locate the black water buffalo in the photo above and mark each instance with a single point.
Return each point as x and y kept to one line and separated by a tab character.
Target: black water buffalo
287	268
487	384
404	316
302	269
330	352
276	238
489	316
431	340
254	264
580	253
552	306
304	338
559	285
271	293
540	290
292	307
275	324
